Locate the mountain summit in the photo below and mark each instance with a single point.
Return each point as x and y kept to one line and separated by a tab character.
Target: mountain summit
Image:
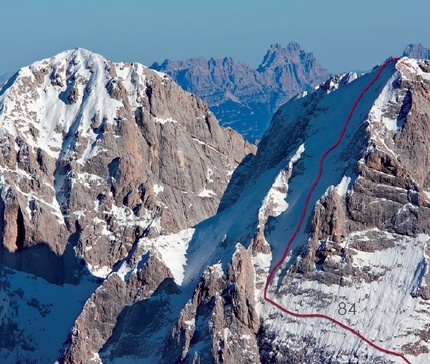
246	98
279	56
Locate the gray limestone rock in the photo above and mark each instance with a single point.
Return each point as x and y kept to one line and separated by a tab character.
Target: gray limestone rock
156	159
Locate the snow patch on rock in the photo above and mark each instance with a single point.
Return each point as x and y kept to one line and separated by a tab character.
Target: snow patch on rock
173	250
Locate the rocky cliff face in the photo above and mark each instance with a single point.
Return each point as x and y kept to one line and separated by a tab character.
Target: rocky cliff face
95	157
368	236
193	293
246	98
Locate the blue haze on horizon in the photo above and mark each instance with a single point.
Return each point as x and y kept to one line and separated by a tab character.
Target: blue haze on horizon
344	35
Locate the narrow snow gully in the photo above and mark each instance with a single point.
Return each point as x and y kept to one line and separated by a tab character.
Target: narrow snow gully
308	197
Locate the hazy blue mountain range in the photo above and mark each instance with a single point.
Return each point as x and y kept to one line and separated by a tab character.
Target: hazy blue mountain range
243	97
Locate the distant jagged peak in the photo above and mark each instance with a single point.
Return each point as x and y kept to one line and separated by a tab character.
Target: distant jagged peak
277	55
222	61
416	50
197	62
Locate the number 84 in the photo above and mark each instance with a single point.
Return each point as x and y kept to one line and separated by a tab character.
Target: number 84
343	309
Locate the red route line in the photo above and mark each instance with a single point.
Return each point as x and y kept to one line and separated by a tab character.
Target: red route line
308	197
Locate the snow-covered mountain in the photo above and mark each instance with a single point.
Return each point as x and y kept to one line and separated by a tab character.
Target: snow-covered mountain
183	271
94	157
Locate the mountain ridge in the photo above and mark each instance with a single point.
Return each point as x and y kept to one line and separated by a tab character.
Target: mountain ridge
293	236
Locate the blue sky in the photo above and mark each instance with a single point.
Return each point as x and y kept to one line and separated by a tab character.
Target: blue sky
343	34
